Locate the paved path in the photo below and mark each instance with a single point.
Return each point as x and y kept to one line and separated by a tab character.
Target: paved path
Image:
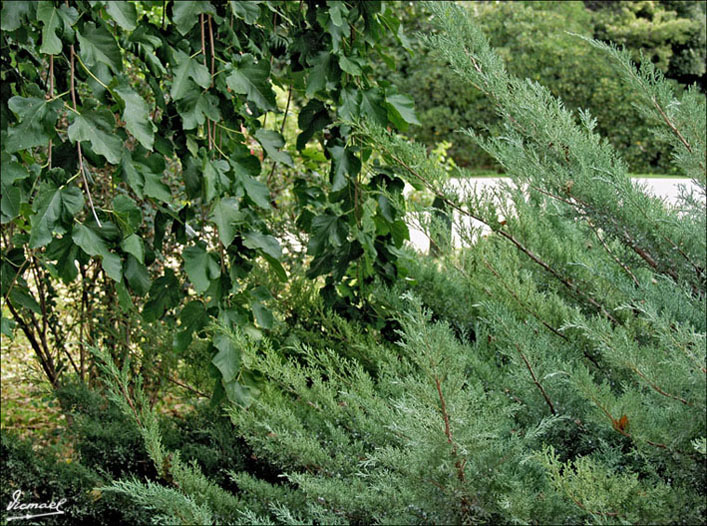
666	188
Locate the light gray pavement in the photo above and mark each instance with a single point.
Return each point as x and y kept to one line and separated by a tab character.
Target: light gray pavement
668	188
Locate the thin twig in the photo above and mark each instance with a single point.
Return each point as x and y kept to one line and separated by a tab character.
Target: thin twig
43	362
535	381
51	95
187	387
656	387
445	416
82	169
671	125
460	463
520	302
213	62
282	129
203	54
78	143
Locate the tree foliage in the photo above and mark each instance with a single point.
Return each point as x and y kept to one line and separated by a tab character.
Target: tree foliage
137	149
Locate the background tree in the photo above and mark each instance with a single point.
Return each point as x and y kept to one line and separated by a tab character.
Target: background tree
531	37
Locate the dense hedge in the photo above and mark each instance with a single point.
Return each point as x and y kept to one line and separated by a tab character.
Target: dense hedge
532	38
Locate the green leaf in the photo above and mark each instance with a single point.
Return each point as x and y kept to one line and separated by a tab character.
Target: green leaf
312	118
372	107
124	14
89	241
272	141
155	187
112	266
97	127
134	245
64	251
137	115
146	35
262	315
243	163
268	244
193	318
185	14
196	106
401	111
349	103
47	208
239	394
276	267
72	199
10	203
228	358
98	45
144	175
21	296
216	179
6	324
400	232
252	80
128	213
349	66
93	245
52	19
165	293
337	11
256	190
319	73
14	13
132	176
37	120
201	267
260	293
226	216
11	170
124	299
344	162
248	11
12	196
137	276
188	69
326	229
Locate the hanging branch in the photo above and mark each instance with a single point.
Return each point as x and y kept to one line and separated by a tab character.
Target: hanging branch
203	54
51	96
82	169
282	129
213	70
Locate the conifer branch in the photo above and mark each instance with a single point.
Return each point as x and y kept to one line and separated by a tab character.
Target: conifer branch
445	417
521	303
535	381
656	387
670	124
502	233
460	463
